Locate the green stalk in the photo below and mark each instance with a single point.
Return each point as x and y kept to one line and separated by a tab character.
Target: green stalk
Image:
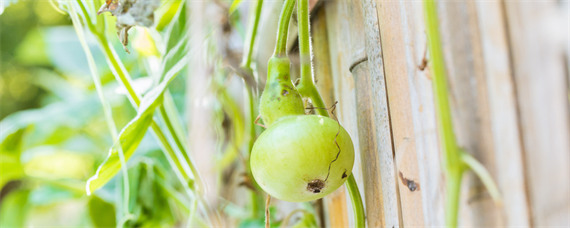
125	80
451	153
443	111
307	86
308	89
356	200
283	29
106	106
246	65
456	161
251	35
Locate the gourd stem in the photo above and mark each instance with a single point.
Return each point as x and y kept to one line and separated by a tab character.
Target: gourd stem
251	91
283	28
356	200
307	86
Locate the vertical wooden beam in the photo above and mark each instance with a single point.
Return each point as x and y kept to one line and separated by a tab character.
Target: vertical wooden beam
381	117
396	68
538	40
503	113
359	67
338	33
423	114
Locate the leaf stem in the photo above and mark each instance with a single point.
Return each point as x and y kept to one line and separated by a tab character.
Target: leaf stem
251	35
483	174
107	111
251	92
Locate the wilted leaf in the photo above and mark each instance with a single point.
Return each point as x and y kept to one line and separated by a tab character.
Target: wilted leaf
130	13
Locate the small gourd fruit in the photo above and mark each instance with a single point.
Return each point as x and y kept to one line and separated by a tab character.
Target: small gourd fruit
302	157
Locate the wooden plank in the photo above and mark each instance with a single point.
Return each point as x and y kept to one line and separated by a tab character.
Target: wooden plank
371	187
383	140
538	40
503	113
423	115
395	67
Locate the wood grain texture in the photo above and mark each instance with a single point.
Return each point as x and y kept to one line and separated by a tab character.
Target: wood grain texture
502	113
369	156
396	68
379	102
538	39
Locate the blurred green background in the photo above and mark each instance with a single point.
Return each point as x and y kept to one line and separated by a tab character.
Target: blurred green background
54	134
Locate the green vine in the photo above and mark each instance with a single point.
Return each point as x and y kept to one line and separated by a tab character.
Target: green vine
456	161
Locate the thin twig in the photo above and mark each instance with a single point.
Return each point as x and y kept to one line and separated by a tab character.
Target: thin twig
267	201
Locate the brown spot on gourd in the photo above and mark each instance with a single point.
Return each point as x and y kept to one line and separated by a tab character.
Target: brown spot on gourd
315	186
344	174
284	92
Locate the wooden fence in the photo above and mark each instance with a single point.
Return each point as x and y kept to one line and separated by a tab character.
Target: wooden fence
508	66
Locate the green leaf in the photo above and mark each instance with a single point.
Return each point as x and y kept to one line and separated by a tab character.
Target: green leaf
6	3
149	205
167	14
234	6
14	209
53	121
132	134
101	212
10	150
176	42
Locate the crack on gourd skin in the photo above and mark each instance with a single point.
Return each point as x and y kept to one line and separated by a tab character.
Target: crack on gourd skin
315	186
335	141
